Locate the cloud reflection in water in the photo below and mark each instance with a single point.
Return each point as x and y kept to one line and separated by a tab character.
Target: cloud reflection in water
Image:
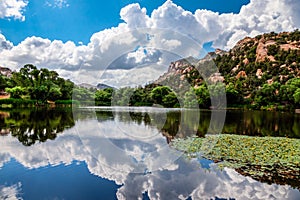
139	164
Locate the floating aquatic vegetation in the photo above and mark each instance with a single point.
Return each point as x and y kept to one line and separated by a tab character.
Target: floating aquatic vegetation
268	159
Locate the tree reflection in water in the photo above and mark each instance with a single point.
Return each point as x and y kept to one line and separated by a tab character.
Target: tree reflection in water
36	125
93	137
181	124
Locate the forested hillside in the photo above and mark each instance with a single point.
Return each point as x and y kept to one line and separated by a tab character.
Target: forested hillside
261	73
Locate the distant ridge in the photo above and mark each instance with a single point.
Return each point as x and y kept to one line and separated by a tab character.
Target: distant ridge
102	86
87	85
99	86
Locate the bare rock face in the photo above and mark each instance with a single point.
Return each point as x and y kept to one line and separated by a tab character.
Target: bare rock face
179	69
241	74
259	73
270	81
216	77
235	68
246	61
292	46
244	41
262	50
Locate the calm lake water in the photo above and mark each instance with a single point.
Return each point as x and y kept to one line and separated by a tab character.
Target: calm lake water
124	153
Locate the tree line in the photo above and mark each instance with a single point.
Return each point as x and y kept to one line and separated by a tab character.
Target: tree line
42	85
271	85
37	85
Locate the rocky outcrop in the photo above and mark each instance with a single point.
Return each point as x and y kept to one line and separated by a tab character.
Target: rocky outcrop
241	74
262	50
259	73
251	58
216	77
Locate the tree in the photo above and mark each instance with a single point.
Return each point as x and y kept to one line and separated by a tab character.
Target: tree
296	96
121	97
233	96
103	97
268	94
190	99
82	94
42	84
164	96
4	82
66	88
217	94
288	90
170	100
203	97
16	92
141	97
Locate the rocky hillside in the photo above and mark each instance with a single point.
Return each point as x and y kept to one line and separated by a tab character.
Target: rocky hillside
253	63
272	56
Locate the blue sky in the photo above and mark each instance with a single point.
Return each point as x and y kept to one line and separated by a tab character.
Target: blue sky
125	42
77	20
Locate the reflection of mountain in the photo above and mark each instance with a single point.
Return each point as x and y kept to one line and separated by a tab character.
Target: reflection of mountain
115	150
30	126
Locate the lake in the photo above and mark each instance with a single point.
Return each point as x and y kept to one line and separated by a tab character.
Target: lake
125	153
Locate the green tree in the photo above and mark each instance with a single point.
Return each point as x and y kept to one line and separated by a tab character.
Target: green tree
288	90
141	97
190	99
164	96
170	100
82	94
296	96
217	94
268	94
121	97
41	85
104	97
203	97
66	88
16	92
158	93
4	82
233	95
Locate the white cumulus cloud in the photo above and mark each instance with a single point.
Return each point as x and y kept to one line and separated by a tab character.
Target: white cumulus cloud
10	192
13	8
169	28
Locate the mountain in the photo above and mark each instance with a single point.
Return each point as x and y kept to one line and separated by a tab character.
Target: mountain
267	57
87	85
252	67
102	86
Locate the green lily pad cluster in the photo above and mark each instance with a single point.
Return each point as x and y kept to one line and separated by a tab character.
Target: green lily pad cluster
271	159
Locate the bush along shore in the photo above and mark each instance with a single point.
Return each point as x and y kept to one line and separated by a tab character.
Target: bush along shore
268	159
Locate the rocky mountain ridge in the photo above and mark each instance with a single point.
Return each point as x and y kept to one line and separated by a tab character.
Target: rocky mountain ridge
263	71
275	54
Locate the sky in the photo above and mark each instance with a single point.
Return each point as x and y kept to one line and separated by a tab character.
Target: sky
117	41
